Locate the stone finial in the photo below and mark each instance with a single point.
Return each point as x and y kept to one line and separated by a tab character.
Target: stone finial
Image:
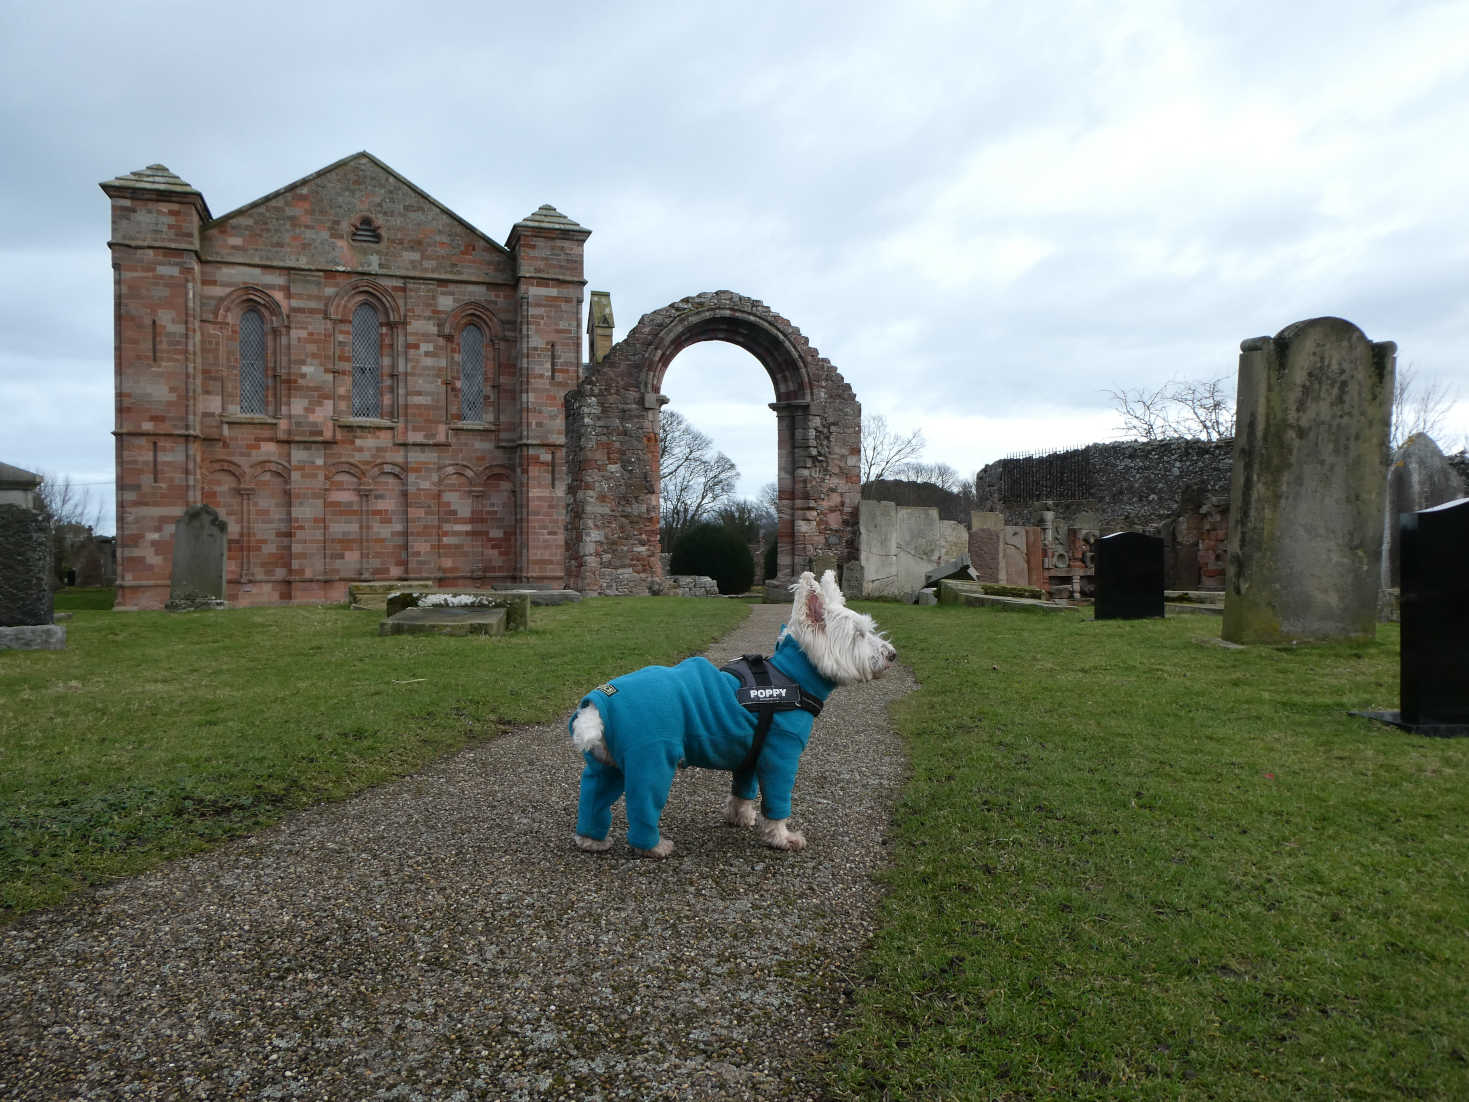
599	325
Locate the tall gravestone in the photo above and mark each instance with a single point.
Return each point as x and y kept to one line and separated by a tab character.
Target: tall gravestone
1129	576
26	610
1434	688
200	546
1419	476
1311	438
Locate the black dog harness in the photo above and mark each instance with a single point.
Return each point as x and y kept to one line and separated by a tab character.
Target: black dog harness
764	690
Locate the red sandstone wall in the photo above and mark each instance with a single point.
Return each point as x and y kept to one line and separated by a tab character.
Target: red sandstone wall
315	498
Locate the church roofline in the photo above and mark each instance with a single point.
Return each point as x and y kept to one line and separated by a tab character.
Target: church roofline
278	192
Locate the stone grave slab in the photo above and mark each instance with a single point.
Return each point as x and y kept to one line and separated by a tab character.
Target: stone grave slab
1129	576
446	620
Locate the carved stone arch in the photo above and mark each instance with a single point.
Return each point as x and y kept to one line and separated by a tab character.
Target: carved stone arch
377	470
226	466
242	298
456	470
223	353
347	467
450	331
270	466
392	349
612	443
758	332
466	312
339	307
498	522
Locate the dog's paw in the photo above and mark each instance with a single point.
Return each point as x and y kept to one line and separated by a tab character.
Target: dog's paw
658	852
593	845
738	812
774	834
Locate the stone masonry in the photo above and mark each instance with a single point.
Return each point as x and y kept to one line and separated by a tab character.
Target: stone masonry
420	437
612	443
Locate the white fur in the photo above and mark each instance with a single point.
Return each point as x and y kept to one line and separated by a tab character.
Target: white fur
845	646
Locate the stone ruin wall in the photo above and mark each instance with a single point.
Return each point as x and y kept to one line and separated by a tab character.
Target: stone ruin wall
1178	489
612	444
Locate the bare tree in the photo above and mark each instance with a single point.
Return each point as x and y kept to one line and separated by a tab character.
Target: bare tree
884	450
693	477
751	518
72	508
1191	409
939	474
1204	408
1418	407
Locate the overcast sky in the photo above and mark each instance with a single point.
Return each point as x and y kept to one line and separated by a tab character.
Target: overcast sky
985	215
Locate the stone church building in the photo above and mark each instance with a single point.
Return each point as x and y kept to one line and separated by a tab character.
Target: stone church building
367	387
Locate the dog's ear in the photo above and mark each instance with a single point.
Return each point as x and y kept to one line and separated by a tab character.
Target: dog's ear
815	608
831	592
809	605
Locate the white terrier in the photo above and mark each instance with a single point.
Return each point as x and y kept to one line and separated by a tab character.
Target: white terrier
752	718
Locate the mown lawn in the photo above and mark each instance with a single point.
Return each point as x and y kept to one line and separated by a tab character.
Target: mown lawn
1131	863
155	734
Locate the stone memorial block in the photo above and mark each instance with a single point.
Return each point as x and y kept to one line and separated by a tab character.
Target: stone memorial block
1035	560
984	553
1420	476
200	544
1434	686
1312	416
26	618
1129	576
1014	559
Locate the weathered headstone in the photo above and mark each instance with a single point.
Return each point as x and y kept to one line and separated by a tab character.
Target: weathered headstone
1312	416
1434	687
26	618
1129	576
200	545
986	531
1418	477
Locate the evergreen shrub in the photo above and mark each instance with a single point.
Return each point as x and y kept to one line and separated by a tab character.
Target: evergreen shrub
716	552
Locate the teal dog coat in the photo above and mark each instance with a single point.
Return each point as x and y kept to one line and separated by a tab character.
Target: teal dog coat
659	719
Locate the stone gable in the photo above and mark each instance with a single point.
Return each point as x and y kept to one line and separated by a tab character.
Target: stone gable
317	223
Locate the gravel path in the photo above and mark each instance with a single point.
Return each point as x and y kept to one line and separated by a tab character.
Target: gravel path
441	938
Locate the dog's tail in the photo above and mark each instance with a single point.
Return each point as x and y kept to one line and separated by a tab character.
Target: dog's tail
586	732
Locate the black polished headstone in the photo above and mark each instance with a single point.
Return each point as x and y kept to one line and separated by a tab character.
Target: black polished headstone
1435	651
1129	576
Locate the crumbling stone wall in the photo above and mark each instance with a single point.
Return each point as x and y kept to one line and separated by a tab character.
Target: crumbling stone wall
1178	489
612	541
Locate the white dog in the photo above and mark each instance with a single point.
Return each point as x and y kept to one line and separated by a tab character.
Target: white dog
752	718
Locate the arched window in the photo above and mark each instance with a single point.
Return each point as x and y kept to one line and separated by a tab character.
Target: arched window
367	393
472	373
252	362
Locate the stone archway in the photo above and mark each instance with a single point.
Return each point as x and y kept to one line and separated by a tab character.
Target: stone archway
612	443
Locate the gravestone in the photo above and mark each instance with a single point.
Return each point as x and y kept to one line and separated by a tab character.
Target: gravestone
1434	687
986	530
1129	576
1305	543
200	544
1419	477
26	618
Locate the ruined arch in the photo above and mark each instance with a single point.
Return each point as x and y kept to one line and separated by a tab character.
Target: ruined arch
612	443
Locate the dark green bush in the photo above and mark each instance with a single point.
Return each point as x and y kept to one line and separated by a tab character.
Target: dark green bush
716	552
770	561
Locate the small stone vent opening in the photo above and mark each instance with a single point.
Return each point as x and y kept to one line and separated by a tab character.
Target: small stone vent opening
366	230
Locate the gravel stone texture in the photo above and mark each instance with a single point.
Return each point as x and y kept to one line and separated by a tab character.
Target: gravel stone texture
440	937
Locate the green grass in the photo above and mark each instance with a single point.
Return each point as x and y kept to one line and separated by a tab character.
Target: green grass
90	599
155	734
1131	865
